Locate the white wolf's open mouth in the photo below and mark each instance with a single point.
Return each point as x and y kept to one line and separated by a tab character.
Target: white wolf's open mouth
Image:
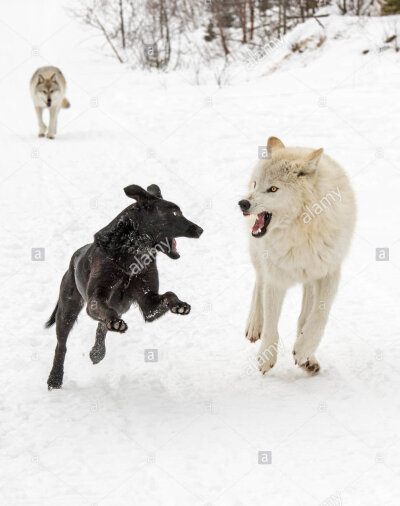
261	224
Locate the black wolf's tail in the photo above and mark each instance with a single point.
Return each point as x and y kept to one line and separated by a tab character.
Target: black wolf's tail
52	320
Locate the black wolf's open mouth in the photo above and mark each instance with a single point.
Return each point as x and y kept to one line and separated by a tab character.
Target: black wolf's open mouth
173	253
261	224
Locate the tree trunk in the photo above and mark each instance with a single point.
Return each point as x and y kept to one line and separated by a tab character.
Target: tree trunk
121	16
220	27
251	5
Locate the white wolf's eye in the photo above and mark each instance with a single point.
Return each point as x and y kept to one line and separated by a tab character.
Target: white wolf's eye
254	184
273	189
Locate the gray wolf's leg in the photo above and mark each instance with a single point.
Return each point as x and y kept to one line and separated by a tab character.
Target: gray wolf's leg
273	299
98	351
310	336
255	319
70	304
42	125
53	122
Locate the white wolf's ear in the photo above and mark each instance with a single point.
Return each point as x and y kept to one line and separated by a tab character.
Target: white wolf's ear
311	162
40	79
274	143
53	78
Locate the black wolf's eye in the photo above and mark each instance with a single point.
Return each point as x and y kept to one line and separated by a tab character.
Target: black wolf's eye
177	213
273	189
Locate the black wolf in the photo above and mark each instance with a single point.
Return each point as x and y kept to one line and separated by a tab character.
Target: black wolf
118	269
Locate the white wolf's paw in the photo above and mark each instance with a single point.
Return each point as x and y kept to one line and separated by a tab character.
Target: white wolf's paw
253	329
266	359
308	363
50	136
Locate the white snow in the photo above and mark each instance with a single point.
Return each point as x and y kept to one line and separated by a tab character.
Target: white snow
188	429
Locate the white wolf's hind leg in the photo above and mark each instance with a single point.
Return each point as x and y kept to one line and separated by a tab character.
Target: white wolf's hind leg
268	352
42	125
255	318
313	329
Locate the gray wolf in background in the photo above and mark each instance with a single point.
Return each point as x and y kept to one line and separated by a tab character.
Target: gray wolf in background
48	87
304	211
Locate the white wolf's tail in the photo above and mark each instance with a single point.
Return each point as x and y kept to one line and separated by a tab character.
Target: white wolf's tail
65	103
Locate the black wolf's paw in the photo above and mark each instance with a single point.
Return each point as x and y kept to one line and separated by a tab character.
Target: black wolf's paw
117	326
97	354
54	382
180	308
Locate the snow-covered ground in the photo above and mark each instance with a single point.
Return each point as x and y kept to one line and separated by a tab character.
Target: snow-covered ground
189	428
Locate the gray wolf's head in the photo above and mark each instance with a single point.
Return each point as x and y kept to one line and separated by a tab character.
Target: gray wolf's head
47	89
278	186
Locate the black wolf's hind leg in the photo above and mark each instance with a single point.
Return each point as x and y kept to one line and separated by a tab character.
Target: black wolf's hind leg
98	351
70	304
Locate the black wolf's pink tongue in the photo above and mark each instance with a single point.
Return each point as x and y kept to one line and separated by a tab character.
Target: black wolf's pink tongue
259	222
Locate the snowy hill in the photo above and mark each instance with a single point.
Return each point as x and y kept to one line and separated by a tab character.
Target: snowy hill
188	429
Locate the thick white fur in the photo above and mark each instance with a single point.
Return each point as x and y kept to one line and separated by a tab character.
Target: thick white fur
297	249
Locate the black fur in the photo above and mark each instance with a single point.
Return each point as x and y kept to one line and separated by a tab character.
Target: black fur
52	320
118	269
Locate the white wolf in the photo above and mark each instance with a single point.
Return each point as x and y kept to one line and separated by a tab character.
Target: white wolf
48	87
305	211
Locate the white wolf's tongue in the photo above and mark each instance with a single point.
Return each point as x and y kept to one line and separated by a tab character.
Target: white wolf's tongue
259	222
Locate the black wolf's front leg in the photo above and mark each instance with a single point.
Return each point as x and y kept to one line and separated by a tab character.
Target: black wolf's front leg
154	305
98	308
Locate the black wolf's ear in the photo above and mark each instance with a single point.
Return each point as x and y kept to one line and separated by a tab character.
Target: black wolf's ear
136	192
154	190
40	79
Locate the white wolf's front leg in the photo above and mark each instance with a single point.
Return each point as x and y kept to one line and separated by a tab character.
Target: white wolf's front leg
267	355
255	319
306	306
42	125
53	122
324	291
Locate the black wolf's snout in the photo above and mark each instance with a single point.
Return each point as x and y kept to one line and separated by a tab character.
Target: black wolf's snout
244	205
195	231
